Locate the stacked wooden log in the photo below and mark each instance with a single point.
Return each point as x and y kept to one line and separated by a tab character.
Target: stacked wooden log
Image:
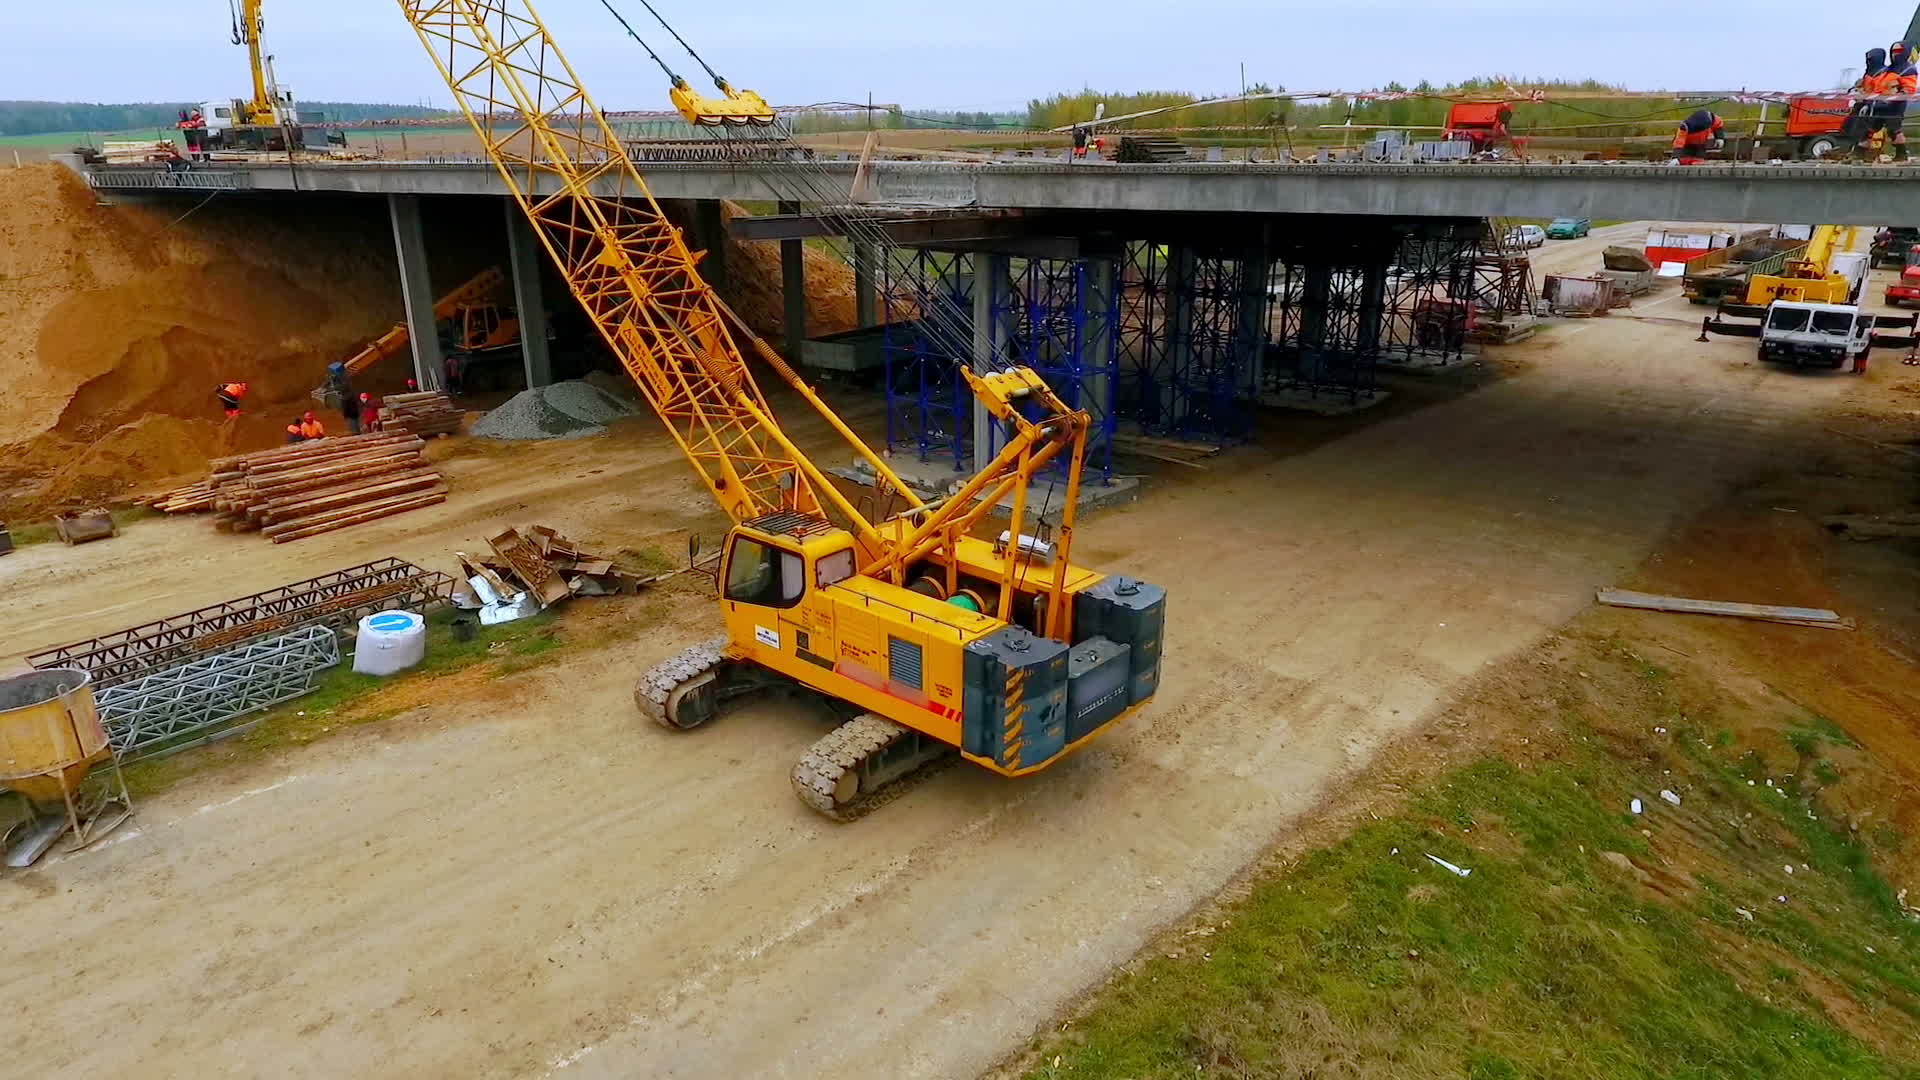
314	487
428	413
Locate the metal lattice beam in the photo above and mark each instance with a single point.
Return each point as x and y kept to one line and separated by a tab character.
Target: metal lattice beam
334	599
193	702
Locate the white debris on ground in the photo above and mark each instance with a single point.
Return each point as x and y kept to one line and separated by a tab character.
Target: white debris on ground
566	410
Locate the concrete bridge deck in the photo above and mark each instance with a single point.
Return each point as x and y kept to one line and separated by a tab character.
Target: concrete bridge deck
1804	193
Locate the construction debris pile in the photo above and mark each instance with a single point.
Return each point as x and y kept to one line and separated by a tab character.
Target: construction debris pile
314	487
566	410
426	414
537	569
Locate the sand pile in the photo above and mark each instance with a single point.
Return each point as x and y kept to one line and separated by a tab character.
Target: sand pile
117	323
567	410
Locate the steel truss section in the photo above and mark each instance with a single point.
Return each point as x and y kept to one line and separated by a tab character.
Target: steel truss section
334	600
181	179
927	298
1058	317
197	701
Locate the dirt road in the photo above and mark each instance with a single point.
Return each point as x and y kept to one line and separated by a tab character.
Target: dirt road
531	881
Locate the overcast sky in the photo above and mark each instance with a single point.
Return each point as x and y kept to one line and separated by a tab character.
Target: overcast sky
972	54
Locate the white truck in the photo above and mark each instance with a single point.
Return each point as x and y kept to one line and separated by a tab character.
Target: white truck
1832	335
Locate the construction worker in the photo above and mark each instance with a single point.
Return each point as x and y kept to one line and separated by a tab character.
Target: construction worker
350	408
230	395
1701	132
369	412
294	434
311	428
1886	120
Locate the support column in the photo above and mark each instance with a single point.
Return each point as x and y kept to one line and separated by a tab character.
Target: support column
416	290
1373	310
1179	364
866	292
991	275
524	253
1250	335
793	286
710	234
1100	359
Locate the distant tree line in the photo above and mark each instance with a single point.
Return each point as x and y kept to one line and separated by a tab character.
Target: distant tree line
905	119
1425	107
42	117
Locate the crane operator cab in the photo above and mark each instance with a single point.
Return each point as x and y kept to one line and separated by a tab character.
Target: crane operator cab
928	658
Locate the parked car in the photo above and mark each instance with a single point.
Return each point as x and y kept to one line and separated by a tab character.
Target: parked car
1526	236
1568	228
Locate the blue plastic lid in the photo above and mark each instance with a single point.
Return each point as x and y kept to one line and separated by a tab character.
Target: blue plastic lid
393	621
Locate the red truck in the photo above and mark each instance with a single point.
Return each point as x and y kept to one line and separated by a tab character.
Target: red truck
1483	123
1906	290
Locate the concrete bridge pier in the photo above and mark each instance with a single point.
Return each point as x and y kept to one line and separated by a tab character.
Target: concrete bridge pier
416	291
793	287
525	255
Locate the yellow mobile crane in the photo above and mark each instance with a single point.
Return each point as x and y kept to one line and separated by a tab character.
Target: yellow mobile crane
1830	272
928	637
266	121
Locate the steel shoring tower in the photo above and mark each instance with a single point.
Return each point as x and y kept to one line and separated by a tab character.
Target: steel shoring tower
1144	318
1054	319
929	407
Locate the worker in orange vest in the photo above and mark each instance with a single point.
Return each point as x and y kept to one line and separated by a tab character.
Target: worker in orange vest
294	434
230	395
1702	131
1886	120
311	428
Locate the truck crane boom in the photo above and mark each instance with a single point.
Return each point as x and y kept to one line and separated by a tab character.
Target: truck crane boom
930	638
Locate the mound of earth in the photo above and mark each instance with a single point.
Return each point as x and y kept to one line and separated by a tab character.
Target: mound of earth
120	321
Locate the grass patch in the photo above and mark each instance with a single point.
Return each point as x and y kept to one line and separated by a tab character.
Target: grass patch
343	698
1366	959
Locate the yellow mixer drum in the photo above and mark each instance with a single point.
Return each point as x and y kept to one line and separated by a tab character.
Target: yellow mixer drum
50	734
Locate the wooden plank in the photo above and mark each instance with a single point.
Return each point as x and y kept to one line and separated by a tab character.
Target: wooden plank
1797	616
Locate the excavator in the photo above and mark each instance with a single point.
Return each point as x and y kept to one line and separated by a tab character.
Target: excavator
1829	272
266	121
930	642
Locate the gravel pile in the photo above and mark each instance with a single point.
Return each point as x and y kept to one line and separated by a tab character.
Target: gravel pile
568	410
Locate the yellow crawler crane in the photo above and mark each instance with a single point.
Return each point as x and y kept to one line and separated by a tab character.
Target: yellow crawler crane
930	639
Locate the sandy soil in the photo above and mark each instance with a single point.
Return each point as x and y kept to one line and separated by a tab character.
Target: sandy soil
525	879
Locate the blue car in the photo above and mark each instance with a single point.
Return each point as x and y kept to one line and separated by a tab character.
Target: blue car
1568	228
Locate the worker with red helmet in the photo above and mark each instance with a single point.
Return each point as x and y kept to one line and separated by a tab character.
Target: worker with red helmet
1886	120
1701	132
230	395
369	413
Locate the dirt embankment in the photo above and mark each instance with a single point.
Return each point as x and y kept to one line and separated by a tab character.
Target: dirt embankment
118	322
752	284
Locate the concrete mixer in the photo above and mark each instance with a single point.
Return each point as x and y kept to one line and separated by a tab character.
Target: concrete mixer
51	742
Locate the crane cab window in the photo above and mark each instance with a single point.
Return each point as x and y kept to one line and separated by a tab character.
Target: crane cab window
833	569
223	114
764	575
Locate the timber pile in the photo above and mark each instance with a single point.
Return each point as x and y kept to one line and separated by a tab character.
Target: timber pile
314	487
430	412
